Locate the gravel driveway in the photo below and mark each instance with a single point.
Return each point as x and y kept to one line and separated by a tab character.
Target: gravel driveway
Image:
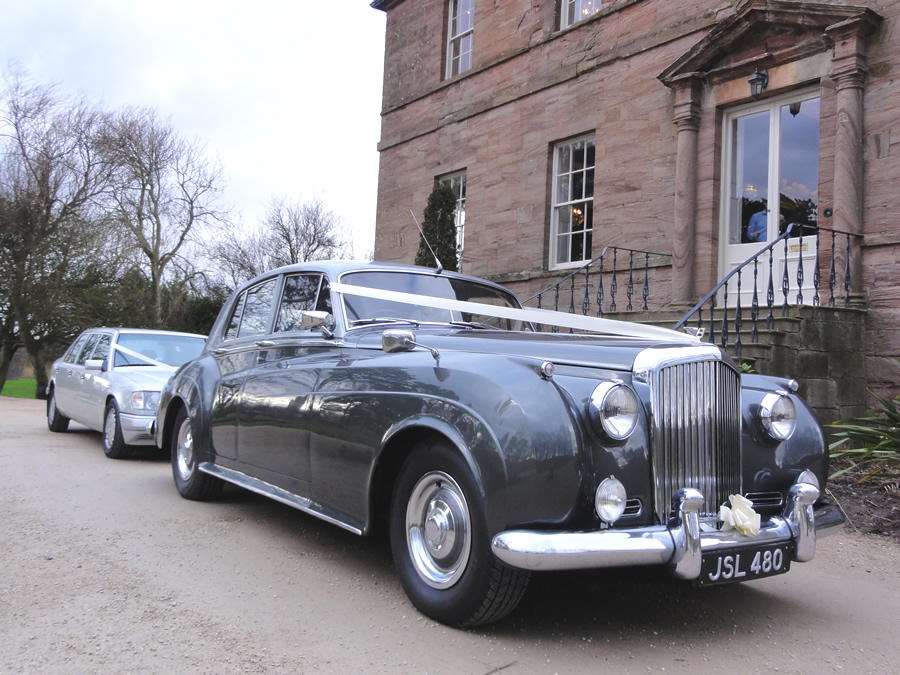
106	569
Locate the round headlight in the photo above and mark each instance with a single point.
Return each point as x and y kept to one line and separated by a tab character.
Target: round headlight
778	415
610	500
613	410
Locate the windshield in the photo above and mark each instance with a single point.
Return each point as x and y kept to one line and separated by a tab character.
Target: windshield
173	350
364	310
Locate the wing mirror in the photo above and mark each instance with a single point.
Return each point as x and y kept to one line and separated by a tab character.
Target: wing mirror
396	340
322	321
94	364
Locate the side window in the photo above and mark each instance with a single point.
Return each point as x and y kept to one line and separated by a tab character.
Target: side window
235	322
88	348
257	309
324	303
299	295
75	349
101	351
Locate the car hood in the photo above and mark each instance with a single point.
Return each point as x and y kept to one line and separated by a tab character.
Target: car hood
147	378
596	351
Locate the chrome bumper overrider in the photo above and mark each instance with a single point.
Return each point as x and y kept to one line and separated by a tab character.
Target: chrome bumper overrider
679	545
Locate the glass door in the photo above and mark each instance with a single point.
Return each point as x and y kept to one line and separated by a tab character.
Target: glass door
771	179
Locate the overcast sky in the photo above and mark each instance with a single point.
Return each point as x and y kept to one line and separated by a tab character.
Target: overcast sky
286	93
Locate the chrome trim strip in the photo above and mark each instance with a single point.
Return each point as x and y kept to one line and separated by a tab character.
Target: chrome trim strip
278	494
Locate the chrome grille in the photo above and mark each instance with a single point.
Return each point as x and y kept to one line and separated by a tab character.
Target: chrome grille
696	424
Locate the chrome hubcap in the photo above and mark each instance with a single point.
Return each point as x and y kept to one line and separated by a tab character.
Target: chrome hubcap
184	451
109	428
438	533
52	411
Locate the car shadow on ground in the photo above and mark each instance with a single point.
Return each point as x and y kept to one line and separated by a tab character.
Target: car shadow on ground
598	603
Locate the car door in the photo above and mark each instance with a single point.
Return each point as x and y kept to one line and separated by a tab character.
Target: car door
278	389
96	382
64	382
250	321
79	382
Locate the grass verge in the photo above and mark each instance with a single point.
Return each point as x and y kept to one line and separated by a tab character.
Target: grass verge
19	388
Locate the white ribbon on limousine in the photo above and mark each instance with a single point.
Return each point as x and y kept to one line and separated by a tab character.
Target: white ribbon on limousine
541	316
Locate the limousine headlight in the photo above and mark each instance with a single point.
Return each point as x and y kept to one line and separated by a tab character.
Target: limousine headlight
778	415
613	410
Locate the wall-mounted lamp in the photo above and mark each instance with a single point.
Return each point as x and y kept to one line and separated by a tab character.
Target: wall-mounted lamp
758	83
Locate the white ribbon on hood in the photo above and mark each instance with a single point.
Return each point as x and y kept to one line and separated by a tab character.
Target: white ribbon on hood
542	316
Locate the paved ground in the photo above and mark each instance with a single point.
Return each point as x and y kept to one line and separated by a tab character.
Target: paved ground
106	569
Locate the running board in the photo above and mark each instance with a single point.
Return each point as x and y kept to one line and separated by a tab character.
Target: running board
278	494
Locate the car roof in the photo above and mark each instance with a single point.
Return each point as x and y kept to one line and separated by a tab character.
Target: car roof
335	268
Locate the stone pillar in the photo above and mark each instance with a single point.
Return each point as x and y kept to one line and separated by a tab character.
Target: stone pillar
849	70
684	234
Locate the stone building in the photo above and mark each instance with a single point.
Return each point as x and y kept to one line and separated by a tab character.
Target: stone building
569	126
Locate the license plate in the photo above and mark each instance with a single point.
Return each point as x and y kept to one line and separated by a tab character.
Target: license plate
744	564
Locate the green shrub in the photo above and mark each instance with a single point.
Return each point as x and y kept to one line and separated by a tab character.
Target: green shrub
872	441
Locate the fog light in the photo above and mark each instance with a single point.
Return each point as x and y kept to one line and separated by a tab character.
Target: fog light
610	500
778	415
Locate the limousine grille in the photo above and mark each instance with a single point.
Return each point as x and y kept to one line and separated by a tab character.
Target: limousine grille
695	427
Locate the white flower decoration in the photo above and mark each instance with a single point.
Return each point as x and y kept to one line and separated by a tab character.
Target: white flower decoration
740	516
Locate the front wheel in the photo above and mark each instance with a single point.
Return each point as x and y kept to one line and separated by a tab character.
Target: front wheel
113	442
441	546
189	480
56	421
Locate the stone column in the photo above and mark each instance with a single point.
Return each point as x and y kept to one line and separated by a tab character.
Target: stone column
849	70
684	235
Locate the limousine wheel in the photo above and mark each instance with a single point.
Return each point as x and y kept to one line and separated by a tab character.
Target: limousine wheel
56	421
440	543
189	480
113	443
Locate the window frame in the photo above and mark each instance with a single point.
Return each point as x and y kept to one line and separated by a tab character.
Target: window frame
317	301
557	206
460	215
575	6
459	38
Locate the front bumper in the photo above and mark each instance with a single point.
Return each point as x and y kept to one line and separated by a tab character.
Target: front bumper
137	429
680	544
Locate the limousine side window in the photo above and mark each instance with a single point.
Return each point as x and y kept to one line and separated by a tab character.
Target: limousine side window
257	309
299	295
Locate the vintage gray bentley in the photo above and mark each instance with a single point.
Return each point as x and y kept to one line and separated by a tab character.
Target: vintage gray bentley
369	392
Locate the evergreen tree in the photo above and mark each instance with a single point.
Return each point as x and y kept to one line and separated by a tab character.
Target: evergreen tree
439	226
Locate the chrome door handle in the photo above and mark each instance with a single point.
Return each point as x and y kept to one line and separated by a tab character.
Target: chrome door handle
265	343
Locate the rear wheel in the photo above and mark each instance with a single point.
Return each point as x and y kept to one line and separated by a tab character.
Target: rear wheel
189	480
56	421
441	546
113	442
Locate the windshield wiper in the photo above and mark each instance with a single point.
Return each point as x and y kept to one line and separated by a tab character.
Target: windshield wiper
473	324
383	319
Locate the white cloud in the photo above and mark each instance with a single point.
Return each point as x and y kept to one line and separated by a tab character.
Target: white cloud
286	94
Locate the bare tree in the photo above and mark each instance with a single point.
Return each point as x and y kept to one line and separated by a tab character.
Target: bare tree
49	174
292	232
164	191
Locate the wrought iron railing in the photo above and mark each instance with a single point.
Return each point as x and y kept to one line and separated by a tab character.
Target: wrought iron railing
838	266
588	286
